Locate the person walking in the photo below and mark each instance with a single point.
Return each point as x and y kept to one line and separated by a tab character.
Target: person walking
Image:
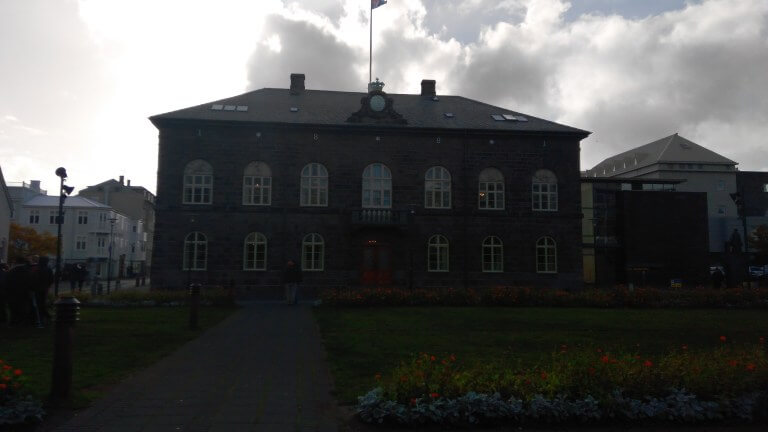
42	278
17	289
291	280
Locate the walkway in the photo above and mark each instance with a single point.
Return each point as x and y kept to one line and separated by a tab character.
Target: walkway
262	369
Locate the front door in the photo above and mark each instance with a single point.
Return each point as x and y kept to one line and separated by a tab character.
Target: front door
377	263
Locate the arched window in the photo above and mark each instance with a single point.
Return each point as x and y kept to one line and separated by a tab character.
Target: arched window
312	253
195	251
437	188
198	183
255	252
546	255
437	254
257	184
493	254
377	186
490	194
544	191
314	185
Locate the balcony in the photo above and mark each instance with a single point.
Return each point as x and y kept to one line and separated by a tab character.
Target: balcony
379	217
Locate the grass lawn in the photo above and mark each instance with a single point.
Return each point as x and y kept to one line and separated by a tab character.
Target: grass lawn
109	343
363	341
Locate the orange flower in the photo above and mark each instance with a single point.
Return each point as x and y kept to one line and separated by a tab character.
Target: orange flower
722	339
17	372
434	395
377	377
403	378
647	363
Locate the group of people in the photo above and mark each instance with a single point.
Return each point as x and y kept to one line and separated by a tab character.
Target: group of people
24	287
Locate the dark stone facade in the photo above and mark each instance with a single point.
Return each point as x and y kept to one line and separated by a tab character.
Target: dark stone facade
345	151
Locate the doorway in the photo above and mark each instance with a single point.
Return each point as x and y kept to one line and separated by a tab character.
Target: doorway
376	268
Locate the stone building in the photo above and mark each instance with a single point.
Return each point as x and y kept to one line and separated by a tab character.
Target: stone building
422	190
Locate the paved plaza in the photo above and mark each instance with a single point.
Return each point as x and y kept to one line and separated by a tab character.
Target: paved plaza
262	369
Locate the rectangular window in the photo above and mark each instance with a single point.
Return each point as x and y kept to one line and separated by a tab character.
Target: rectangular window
82	217
721	210
721	185
81	243
101	245
34	217
257	190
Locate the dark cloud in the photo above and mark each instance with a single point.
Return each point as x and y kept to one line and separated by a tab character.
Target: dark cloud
305	48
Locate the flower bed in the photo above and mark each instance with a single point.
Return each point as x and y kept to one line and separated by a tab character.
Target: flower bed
619	296
15	408
575	385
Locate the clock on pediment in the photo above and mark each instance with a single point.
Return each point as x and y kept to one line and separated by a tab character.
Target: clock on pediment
376	107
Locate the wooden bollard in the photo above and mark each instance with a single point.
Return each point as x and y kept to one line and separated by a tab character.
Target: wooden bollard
194	305
67	312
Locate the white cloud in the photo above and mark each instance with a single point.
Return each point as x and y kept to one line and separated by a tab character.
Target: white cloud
86	75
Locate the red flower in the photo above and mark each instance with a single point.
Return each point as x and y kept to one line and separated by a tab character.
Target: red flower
544	375
378	377
3	386
413	401
591	371
6	378
17	372
605	359
762	341
6	367
453	358
722	339
684	347
647	363
432	358
733	363
403	378
750	367
599	350
434	395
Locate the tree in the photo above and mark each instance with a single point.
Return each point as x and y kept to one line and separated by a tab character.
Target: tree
25	241
759	242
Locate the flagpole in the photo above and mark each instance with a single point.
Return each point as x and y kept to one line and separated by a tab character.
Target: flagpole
370	48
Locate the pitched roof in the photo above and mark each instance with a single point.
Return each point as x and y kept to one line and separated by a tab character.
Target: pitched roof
72	201
671	149
332	108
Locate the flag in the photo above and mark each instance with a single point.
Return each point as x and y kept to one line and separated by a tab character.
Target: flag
377	3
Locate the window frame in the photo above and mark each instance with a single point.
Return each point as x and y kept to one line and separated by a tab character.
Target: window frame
437	182
314	241
255	240
259	174
81	240
544	191
34	217
483	193
310	183
197	181
546	247
82	217
496	255
195	243
384	180
442	252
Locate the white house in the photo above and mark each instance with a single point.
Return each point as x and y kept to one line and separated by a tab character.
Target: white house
88	230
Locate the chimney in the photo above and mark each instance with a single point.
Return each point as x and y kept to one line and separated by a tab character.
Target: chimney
122	179
297	84
34	185
428	88
129	183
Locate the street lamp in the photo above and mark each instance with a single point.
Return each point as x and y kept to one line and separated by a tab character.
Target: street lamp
111	244
63	192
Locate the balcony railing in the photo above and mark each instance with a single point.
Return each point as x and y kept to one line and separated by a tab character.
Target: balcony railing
379	217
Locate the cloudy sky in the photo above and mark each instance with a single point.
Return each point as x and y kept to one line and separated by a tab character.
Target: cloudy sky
78	78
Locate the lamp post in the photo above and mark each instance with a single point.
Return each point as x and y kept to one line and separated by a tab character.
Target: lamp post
111	244
63	192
